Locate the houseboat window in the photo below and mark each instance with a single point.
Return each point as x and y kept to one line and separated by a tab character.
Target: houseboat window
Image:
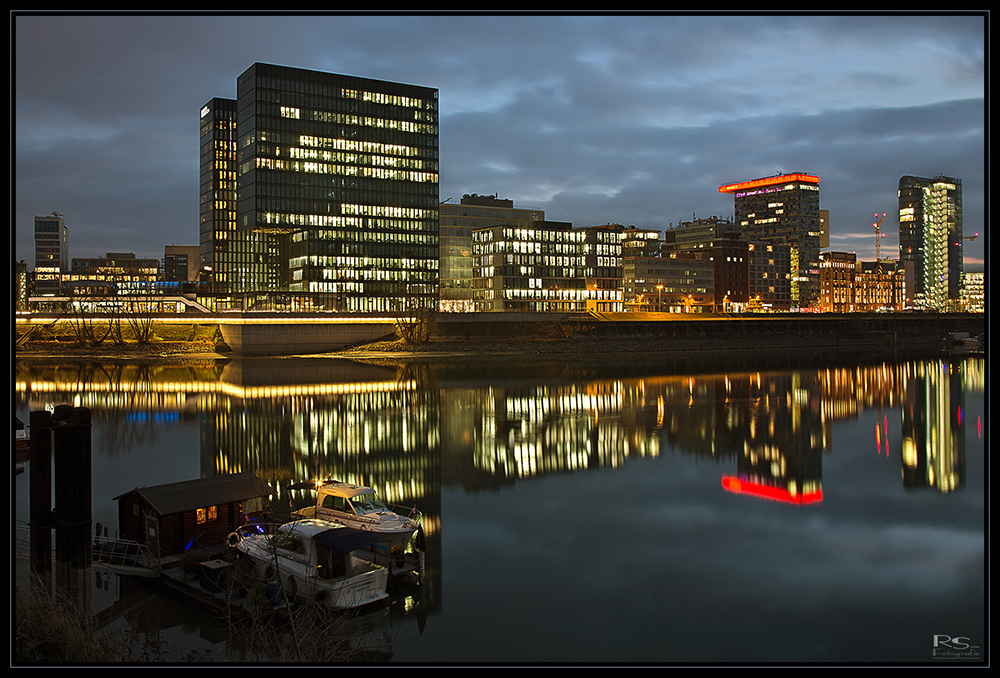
206	514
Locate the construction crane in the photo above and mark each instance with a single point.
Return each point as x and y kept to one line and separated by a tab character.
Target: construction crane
879	235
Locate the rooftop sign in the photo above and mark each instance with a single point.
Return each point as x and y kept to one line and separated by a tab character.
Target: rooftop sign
769	181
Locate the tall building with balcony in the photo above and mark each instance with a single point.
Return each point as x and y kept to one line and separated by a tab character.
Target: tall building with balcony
458	221
51	253
336	191
931	236
784	210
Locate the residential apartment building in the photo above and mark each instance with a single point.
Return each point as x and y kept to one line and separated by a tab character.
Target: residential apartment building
324	195
457	223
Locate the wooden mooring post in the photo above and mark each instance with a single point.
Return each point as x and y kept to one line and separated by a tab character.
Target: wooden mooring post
60	442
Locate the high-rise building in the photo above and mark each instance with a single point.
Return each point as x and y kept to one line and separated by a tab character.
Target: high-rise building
217	211
784	210
930	235
325	194
51	253
458	221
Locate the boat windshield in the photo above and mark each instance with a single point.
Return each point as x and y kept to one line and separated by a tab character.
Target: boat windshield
368	503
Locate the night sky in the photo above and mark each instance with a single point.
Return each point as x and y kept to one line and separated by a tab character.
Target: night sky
634	120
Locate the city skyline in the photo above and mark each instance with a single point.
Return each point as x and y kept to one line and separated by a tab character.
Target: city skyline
594	119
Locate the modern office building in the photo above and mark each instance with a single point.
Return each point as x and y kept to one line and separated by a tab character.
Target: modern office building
181	263
674	282
458	221
731	255
336	192
217	211
118	272
51	253
771	274
930	235
547	267
697	233
784	210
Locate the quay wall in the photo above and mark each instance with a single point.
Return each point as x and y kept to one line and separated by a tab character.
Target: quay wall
275	334
799	330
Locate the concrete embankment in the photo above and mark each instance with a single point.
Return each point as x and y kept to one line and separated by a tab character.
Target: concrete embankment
779	340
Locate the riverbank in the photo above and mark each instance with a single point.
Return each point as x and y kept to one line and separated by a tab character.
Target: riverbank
611	344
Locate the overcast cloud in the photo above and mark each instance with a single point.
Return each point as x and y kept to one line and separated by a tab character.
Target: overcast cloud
595	119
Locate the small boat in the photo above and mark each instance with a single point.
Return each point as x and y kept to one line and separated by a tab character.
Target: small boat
361	508
314	560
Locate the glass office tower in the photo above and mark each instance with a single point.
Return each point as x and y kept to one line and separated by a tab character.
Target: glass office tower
931	236
336	192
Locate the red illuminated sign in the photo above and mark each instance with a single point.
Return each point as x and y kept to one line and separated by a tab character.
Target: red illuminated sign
737	486
769	181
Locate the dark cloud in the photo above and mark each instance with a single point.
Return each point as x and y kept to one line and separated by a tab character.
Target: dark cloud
595	119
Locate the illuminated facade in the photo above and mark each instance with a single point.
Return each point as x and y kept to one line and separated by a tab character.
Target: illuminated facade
474	212
51	253
784	210
547	267
973	292
121	271
336	190
217	209
930	235
880	285
836	275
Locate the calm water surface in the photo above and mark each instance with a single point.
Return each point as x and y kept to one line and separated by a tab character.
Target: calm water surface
593	513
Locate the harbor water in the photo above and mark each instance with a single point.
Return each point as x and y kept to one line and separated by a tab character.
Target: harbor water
587	512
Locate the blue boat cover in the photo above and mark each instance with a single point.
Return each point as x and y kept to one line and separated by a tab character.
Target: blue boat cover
346	539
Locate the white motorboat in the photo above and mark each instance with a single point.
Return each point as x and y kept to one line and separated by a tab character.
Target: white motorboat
315	560
361	508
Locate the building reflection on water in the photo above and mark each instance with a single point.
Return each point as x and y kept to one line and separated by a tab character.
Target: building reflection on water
408	432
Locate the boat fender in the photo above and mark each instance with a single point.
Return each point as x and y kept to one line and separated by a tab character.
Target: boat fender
292	586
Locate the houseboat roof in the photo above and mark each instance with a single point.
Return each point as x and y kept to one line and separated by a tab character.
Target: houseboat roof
192	494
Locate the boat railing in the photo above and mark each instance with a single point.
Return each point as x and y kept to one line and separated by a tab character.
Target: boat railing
410	512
